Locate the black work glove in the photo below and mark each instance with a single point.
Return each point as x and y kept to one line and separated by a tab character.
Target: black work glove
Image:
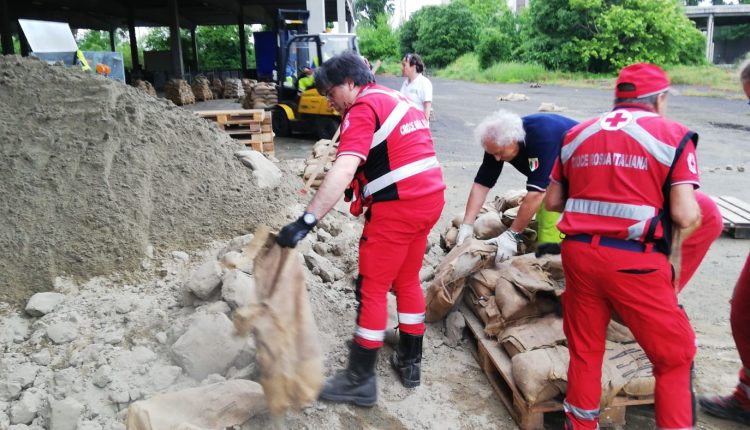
296	231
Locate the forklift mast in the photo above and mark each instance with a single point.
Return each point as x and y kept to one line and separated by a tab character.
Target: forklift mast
289	23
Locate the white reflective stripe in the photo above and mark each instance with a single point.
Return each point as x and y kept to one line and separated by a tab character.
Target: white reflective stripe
410	318
618	210
661	151
390	124
567	151
393	94
364	333
635	231
399	174
584	414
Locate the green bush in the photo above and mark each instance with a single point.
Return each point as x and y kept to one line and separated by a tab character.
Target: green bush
467	68
605	35
378	41
445	33
408	30
493	46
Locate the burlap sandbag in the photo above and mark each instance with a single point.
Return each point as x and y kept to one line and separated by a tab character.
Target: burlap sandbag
509	199
528	275
451	273
617	332
488	226
533	334
448	239
220	405
483	283
288	353
622	363
541	374
641	382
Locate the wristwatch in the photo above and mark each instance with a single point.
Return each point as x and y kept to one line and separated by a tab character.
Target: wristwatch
309	219
518	237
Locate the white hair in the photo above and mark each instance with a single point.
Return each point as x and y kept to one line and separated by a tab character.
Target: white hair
502	127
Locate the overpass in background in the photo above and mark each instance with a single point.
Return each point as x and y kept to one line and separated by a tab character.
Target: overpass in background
707	17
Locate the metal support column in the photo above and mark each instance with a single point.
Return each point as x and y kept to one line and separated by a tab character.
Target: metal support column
341	16
174	35
243	43
133	41
112	39
194	41
5	34
710	39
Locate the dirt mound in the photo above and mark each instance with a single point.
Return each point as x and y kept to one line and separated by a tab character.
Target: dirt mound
95	175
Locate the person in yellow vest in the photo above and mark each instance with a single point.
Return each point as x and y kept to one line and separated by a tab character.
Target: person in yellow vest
306	81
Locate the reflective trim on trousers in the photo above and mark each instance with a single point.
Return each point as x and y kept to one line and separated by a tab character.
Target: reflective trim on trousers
582	414
410	318
617	210
374	335
399	174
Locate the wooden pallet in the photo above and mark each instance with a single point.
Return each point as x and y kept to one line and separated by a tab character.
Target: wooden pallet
251	127
496	365
736	215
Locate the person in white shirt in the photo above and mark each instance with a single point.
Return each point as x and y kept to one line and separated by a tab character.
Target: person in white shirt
416	86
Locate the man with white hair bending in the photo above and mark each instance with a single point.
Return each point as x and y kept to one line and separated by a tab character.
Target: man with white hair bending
531	144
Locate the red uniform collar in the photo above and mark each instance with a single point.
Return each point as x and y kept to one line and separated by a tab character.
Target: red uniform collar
634	106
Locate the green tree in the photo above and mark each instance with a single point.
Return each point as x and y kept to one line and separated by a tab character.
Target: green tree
444	33
408	30
377	41
605	35
93	40
494	45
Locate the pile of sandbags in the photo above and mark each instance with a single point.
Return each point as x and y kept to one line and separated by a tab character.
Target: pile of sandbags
263	96
233	89
217	87
518	303
145	86
202	88
179	92
320	161
494	218
247	85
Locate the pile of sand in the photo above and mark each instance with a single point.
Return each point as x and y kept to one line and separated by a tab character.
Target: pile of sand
96	174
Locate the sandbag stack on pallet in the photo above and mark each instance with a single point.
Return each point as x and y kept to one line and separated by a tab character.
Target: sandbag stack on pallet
233	89
179	92
251	127
202	88
513	313
217	87
494	218
145	86
247	85
263	96
320	161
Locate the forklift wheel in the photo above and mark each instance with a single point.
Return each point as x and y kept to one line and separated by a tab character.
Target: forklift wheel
325	126
280	123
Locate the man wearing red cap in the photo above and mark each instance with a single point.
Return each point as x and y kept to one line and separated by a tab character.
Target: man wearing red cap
736	406
623	181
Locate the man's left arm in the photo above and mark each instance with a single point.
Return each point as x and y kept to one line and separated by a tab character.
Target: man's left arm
330	191
529	205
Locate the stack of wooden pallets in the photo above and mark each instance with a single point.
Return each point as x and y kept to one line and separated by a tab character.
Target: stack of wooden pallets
251	127
736	216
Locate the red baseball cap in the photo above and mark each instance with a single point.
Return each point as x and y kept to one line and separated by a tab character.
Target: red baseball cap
646	80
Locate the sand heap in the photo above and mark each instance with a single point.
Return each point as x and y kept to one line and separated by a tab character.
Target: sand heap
97	174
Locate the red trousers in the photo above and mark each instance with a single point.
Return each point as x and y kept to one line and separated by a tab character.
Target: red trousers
638	286
391	251
694	248
740	320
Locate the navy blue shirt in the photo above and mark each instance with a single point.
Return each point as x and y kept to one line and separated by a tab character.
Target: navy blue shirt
536	154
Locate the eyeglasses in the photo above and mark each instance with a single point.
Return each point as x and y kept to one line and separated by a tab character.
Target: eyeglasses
329	92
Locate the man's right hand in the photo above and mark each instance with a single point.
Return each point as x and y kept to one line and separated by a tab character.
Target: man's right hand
464	232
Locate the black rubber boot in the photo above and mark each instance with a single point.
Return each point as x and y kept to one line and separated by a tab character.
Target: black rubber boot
407	359
355	384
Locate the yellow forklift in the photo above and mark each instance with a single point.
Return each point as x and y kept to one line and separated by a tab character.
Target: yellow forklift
304	111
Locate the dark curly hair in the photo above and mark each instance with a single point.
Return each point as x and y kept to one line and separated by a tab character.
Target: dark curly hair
337	70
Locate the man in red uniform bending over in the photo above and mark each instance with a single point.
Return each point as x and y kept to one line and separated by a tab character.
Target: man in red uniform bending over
736	406
623	181
387	162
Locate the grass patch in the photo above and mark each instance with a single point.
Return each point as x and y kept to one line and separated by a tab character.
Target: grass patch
389	67
705	80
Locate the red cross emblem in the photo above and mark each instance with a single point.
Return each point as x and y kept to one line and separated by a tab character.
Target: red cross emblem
616	120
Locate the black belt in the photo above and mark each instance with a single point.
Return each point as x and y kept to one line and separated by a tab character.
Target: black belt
613	242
